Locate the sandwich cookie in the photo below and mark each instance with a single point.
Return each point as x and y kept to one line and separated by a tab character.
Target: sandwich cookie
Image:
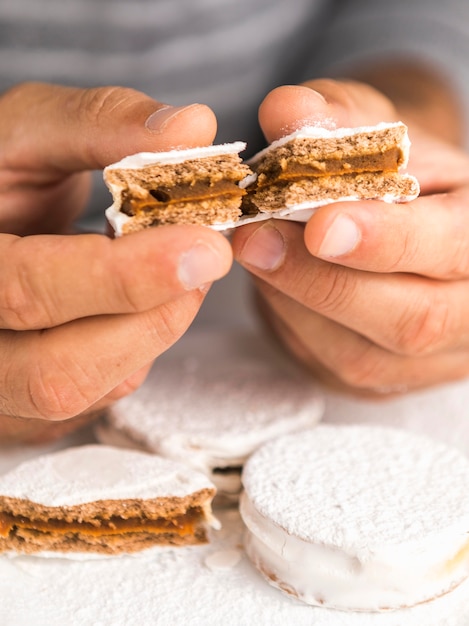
315	166
99	499
358	518
212	405
193	186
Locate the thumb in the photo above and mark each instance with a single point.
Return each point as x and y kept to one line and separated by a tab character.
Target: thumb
66	129
324	102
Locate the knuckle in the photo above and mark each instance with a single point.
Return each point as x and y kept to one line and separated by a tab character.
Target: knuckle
98	102
173	319
331	295
125	292
362	368
423	329
124	389
93	107
57	391
459	267
20	307
405	253
170	323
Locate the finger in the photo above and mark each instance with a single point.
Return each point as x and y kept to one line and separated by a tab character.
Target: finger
346	360
96	275
402	313
432	177
66	129
20	430
17	430
349	103
324	102
62	372
429	236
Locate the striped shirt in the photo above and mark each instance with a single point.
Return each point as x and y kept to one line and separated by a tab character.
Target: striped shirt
225	53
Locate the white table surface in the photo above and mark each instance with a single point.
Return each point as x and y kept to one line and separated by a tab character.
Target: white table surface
182	586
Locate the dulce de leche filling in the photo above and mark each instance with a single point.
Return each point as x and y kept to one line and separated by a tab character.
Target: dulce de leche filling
293	167
181	525
165	195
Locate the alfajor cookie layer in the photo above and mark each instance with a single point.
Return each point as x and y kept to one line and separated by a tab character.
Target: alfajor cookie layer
97	512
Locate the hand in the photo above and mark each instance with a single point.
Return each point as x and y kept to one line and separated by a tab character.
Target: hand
83	316
372	297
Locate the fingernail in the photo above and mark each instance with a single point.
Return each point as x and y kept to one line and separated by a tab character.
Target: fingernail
199	266
265	248
342	237
158	120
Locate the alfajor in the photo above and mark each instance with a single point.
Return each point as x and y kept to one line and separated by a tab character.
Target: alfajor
315	166
212	404
358	518
193	186
99	499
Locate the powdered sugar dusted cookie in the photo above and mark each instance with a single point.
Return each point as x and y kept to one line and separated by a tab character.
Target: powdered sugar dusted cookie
315	166
212	405
99	499
359	518
193	186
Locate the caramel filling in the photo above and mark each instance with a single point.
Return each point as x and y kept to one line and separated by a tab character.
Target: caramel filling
163	196
181	525
288	169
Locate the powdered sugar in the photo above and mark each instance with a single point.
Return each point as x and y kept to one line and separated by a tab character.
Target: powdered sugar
84	474
177	587
358	518
213	409
359	488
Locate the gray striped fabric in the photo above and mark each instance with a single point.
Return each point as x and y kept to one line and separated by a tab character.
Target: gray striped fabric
226	53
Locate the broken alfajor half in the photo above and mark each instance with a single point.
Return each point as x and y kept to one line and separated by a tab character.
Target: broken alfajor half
315	166
193	186
100	499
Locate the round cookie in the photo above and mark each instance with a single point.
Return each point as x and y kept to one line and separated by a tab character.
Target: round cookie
212	402
358	518
95	499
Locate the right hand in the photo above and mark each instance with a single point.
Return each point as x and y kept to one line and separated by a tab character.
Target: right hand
82	317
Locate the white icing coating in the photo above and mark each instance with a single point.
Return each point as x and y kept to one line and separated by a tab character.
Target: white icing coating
145	159
213	410
178	587
357	517
85	474
319	132
116	218
178	583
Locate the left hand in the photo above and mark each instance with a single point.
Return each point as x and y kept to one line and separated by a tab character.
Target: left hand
372	297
